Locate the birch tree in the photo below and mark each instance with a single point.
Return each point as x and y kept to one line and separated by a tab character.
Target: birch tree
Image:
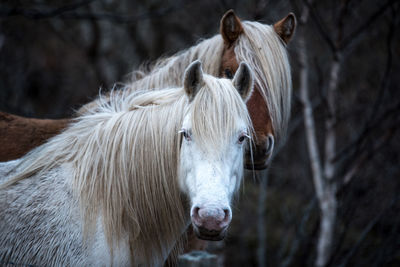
327	180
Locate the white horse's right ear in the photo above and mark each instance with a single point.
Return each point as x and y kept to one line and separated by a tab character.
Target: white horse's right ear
193	79
244	81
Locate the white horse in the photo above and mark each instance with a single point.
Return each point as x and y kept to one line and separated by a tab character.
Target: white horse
122	183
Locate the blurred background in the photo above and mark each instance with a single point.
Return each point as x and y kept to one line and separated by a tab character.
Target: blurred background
338	209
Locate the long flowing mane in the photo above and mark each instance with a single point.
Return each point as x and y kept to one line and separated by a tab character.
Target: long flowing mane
260	47
266	54
125	156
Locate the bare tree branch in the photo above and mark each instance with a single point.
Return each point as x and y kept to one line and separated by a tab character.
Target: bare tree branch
360	161
355	146
320	26
300	233
357	32
373	121
330	121
325	191
69	12
308	117
262	233
34	13
366	230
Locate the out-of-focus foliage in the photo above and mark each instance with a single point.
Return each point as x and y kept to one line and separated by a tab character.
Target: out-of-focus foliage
55	55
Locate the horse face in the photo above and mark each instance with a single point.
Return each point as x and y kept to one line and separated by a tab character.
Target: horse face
210	174
210	180
257	157
231	29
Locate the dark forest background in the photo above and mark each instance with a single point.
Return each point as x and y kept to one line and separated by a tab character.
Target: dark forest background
55	55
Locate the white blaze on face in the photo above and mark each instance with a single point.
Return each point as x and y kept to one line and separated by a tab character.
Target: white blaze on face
210	175
210	180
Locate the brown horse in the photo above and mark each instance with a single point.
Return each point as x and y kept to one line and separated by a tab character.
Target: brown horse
261	46
18	135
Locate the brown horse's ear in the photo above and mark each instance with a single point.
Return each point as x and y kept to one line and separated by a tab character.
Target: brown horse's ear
230	27
243	81
193	79
285	27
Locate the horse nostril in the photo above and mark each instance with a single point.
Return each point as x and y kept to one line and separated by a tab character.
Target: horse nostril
195	212
227	217
269	145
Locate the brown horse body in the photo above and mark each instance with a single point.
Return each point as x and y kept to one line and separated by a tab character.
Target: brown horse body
19	135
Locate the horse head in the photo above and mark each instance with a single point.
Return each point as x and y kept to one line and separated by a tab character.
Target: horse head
260	104
214	133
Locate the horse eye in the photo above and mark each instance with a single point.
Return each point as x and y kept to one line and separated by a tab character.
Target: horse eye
242	137
185	134
228	74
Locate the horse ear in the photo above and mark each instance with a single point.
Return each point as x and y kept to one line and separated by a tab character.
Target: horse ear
193	79
285	27
230	27
243	81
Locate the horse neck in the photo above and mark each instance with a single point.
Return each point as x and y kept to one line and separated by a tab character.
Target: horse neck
117	174
134	188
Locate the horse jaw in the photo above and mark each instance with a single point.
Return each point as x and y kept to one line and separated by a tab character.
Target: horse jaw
210	180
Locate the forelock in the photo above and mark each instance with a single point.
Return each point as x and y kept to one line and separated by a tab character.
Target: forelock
217	113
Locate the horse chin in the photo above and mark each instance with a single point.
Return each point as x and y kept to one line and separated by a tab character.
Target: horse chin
210	235
259	161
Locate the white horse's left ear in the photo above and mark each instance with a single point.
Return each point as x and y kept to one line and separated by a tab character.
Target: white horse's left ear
193	79
286	27
243	81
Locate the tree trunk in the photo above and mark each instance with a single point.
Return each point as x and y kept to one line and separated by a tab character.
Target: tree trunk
326	227
261	225
322	176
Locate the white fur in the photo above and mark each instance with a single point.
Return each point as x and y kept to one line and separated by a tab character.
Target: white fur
211	178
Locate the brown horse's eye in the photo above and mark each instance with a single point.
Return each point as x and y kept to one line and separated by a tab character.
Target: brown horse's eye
228	74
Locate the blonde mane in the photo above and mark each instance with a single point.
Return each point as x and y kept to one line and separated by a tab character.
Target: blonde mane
125	157
260	47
